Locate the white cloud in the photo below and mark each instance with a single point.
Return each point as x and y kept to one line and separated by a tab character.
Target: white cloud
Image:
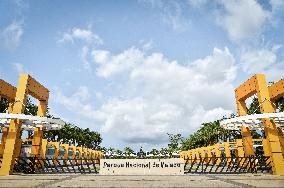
86	38
84	35
113	65
243	19
276	5
84	57
171	13
78	103
146	45
263	60
160	96
10	36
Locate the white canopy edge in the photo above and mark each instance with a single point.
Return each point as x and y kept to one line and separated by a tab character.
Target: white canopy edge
30	122
253	122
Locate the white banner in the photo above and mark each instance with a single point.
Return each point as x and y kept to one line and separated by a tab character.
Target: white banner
174	166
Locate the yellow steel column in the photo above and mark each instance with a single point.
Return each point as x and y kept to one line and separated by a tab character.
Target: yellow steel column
280	134
73	155
271	131
85	155
227	152
14	132
90	155
36	142
266	150
210	155
80	155
38	132
56	146
43	149
202	152
217	153
66	152
246	134
240	148
3	140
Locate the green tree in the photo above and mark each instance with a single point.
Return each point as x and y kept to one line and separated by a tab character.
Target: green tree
280	104
128	151
175	140
254	107
154	152
4	104
164	152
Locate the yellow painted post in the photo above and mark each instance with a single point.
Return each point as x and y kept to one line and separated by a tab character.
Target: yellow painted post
202	152
38	132
271	131
227	152
181	154
266	150
247	142
3	140
85	155
80	155
190	155
43	149
280	134
66	152
18	148
90	155
210	155
217	153
246	134
74	149
242	92
56	151
240	148
14	135
36	141
195	154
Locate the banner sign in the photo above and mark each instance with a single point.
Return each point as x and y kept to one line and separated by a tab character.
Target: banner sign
174	166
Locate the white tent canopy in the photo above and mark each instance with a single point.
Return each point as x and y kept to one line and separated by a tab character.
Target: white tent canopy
253	122
30	122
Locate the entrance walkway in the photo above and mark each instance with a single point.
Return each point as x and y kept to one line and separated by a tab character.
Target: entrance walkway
242	180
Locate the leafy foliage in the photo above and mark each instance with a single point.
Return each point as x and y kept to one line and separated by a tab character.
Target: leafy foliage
128	151
75	135
69	134
4	104
280	104
209	134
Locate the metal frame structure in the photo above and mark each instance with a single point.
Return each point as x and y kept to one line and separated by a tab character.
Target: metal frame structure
9	92
258	85
269	121
13	122
26	86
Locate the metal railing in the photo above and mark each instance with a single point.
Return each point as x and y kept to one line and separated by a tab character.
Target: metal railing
34	165
227	165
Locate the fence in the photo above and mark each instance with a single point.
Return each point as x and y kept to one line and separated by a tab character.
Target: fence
227	165
34	165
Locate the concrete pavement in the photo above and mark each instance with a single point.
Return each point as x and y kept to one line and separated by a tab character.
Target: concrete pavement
73	180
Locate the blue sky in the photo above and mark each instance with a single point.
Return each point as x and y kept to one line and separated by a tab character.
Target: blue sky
136	70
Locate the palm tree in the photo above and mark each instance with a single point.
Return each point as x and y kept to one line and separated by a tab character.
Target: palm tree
154	152
128	151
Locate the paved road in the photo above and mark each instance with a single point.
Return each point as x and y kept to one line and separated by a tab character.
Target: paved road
243	180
